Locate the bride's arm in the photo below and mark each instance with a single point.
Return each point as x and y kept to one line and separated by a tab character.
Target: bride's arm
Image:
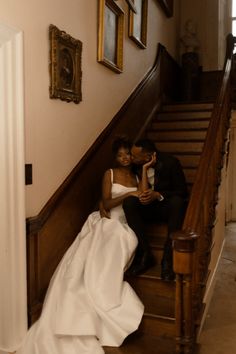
143	184
108	201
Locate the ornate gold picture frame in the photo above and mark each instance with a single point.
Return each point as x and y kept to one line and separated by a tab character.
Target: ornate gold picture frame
65	66
138	23
110	35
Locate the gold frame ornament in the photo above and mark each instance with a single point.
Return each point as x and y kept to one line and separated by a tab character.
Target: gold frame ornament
65	66
138	23
110	35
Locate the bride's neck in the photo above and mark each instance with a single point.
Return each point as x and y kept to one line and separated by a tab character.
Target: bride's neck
125	169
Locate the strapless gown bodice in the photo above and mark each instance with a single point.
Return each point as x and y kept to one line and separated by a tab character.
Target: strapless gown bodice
117	190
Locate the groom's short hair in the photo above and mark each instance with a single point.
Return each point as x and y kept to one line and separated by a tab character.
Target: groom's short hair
146	144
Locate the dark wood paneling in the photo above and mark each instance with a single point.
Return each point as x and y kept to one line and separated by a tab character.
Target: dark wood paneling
50	233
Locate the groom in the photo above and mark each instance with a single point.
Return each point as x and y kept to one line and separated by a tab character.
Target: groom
164	201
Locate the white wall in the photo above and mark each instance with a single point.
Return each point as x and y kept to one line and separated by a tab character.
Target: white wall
59	133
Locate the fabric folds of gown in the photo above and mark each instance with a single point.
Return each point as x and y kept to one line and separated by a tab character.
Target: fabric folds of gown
88	305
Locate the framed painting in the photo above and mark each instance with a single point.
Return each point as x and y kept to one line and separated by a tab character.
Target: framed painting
65	66
110	35
138	23
167	6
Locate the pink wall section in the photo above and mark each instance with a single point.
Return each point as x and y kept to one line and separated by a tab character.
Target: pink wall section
57	134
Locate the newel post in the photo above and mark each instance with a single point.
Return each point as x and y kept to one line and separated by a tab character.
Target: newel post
184	245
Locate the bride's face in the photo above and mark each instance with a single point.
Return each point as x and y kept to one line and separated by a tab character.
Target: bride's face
123	157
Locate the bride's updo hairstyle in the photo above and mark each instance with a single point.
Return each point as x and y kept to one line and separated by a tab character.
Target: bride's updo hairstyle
120	142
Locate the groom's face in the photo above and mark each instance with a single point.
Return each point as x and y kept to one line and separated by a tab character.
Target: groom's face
138	156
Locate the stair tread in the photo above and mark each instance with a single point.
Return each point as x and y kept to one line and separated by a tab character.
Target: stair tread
143	343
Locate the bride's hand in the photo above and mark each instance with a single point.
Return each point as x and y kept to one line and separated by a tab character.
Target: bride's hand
151	162
103	212
135	194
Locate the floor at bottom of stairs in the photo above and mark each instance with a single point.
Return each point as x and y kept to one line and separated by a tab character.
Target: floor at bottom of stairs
218	333
142	343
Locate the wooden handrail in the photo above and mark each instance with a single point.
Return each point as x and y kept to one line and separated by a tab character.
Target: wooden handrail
198	190
200	217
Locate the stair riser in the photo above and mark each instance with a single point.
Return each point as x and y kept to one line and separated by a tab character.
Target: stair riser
179	147
184	115
188	160
156	125
153	286
157	253
170	136
187	107
157	326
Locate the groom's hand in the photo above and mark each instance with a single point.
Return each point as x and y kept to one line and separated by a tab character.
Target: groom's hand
149	196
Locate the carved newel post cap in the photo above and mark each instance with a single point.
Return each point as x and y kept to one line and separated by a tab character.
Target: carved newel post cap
184	241
184	244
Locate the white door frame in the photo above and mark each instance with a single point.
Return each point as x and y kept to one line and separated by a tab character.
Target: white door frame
13	298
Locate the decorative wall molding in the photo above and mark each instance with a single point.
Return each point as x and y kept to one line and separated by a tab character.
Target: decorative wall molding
13	305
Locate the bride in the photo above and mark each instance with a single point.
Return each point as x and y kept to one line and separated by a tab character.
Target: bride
88	304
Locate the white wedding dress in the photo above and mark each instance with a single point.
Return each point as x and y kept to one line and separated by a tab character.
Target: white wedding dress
88	305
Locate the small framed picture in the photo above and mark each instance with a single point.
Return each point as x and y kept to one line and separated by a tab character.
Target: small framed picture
138	23
167	6
110	35
65	66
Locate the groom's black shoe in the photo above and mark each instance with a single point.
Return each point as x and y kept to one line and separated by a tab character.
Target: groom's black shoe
167	273
147	261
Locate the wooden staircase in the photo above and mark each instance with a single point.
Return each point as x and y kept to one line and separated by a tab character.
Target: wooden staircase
179	129
173	310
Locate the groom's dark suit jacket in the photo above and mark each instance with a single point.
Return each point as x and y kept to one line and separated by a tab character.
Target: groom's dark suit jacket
169	176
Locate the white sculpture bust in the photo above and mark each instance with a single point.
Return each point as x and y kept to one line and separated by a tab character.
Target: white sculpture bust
189	39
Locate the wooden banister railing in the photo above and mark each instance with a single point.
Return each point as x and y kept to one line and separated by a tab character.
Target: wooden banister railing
192	245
